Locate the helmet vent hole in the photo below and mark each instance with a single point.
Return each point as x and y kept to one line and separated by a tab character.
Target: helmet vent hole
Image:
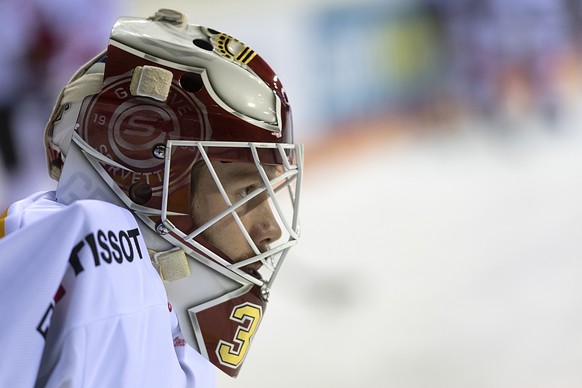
140	193
203	44
191	82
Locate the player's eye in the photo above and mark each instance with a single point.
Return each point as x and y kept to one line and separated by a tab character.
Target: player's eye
246	190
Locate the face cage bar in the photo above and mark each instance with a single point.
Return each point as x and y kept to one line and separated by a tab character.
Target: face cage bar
292	173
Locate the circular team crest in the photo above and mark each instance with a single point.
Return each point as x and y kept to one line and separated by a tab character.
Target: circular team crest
126	129
134	131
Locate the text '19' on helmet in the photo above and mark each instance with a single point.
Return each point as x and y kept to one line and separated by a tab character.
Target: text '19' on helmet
163	122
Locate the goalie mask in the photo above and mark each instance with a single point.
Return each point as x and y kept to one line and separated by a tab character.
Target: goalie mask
191	130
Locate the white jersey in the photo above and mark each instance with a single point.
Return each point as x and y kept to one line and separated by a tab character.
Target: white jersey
82	305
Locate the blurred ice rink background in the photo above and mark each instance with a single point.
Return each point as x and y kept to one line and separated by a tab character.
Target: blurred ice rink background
441	206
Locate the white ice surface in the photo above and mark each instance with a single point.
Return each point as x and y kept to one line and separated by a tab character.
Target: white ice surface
449	261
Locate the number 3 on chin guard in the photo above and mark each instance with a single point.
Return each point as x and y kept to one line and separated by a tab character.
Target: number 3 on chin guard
249	316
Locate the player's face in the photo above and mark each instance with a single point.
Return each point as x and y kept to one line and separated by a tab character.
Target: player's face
238	180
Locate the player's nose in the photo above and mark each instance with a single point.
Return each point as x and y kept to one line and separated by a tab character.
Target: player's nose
264	229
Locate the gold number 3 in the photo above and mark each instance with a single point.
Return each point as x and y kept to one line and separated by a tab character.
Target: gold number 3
249	316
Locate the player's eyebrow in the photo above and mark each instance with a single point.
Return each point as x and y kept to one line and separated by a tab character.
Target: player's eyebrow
250	173
238	175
